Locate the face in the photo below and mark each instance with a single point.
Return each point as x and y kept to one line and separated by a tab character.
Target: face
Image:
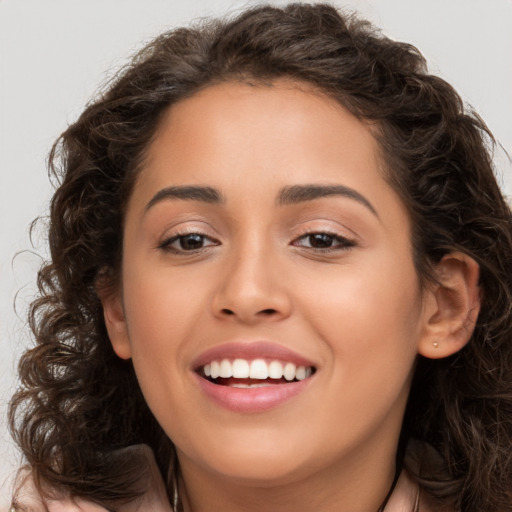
262	239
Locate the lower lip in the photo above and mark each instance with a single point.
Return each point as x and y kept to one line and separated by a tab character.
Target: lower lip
252	400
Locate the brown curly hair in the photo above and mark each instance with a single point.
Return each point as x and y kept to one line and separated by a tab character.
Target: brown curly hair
79	401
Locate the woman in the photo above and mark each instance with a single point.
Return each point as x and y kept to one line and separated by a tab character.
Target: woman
279	280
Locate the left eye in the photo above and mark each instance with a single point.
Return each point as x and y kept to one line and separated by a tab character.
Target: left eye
323	241
188	242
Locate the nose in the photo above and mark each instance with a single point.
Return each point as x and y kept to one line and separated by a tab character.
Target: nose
252	289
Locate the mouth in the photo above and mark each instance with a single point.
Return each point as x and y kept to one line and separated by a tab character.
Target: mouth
253	377
253	373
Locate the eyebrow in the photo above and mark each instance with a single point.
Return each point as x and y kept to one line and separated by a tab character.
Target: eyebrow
302	193
187	193
288	195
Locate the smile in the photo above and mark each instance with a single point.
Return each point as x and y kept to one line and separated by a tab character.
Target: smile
252	377
243	373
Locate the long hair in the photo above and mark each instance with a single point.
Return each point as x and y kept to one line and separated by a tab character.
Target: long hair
78	401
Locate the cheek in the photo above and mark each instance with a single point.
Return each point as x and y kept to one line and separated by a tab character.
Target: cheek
368	317
160	305
162	312
157	357
369	329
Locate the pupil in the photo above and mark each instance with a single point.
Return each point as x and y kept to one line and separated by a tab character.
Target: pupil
320	240
190	242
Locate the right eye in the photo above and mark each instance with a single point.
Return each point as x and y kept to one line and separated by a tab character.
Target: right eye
187	242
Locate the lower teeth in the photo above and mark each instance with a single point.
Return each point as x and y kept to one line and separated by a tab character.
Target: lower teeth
245	386
248	383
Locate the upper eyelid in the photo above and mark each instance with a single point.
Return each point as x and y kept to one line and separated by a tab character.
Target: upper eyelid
188	227
339	231
166	243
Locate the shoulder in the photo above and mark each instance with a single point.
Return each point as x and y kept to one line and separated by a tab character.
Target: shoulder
407	497
28	499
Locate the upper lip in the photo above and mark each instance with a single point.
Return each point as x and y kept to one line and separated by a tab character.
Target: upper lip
249	351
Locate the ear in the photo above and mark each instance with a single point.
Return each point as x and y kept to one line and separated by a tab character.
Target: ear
452	307
115	321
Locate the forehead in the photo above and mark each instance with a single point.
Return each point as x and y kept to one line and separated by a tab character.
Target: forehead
285	126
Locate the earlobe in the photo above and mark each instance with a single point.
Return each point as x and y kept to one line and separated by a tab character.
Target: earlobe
115	323
452	308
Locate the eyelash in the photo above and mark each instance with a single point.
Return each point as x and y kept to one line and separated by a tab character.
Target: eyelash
166	245
342	243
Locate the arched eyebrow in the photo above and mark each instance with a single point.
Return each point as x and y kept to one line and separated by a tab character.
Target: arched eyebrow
309	192
187	193
288	195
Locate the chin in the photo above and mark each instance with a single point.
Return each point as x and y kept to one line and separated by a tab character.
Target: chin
255	463
261	471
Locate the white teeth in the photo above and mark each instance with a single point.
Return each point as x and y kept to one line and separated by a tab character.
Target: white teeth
289	371
225	370
240	369
256	369
275	370
215	369
300	374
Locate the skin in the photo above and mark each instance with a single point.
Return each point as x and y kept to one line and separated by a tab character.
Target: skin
357	310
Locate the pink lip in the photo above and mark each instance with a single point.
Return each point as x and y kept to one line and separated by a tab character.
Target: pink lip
250	350
251	400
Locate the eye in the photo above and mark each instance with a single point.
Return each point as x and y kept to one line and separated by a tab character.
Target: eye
323	241
187	242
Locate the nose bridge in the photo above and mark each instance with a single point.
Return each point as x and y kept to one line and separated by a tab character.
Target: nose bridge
251	288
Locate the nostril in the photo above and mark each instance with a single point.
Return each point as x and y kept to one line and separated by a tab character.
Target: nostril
262	313
268	312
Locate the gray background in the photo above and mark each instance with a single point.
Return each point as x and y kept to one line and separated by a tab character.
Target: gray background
55	53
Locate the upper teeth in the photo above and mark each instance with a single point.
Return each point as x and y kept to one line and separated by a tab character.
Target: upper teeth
255	369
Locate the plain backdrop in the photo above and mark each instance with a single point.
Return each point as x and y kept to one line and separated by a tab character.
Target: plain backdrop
55	53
